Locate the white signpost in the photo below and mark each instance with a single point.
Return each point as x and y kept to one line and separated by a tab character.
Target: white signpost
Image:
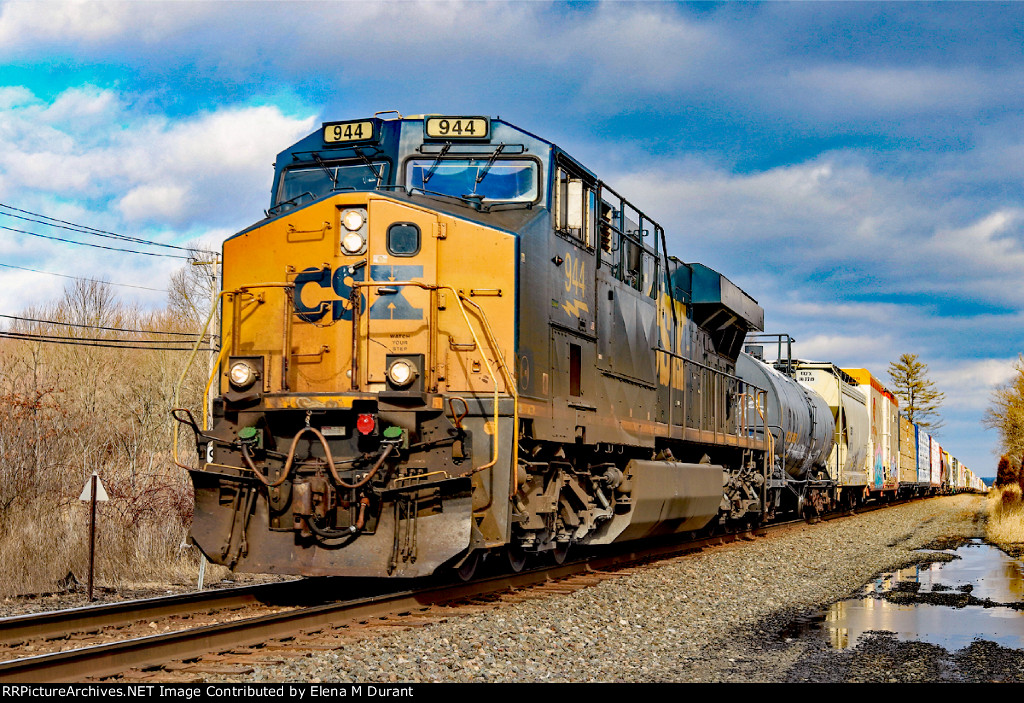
93	492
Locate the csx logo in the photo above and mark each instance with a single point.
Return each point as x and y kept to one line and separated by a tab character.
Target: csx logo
394	306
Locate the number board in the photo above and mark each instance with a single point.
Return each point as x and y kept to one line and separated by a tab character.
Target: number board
344	132
457	127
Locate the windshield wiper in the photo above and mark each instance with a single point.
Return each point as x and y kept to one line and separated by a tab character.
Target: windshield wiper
487	167
437	162
321	164
369	165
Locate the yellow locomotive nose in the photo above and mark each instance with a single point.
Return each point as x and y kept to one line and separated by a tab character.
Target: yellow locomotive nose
344	346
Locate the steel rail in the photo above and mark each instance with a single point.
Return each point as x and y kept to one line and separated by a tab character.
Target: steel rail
103	660
98	661
59	623
107	659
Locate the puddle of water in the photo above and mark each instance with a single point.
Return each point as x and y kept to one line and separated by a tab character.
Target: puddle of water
990	572
982	571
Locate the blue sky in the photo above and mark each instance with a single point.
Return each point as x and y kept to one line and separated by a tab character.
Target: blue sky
858	168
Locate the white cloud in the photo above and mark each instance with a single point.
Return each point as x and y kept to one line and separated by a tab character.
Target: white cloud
611	58
225	32
844	350
15	96
27	25
865	91
210	168
835	224
147	203
81	104
608	50
87	156
844	313
986	248
968	385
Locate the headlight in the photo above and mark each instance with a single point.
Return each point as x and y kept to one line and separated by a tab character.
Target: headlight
242	374
401	373
353	220
352	243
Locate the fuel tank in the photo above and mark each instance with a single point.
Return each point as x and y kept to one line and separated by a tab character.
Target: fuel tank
799	420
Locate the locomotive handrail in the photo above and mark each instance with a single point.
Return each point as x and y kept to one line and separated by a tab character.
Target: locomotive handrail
770	454
286	345
184	373
716	374
696	363
224	349
209	382
509	382
512	388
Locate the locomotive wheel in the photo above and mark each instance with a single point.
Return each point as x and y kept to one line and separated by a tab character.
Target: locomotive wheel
516	557
467	570
560	552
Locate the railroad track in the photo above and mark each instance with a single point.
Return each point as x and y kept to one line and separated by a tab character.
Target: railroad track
247	626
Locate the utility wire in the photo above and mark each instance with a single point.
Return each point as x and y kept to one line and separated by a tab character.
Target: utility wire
85	229
190	335
79	278
43	336
84	343
97	246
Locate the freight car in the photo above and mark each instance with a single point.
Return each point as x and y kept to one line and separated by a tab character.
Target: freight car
882	409
448	338
801	428
876	453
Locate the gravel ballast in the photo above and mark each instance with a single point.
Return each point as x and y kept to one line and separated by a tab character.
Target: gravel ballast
720	615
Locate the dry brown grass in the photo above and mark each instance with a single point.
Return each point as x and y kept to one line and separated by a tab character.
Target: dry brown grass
67	410
39	549
1005	525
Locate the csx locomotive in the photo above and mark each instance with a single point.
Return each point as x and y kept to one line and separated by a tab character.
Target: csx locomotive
449	338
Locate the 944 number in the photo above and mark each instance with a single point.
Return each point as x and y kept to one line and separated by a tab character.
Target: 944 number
457	127
348	132
575	276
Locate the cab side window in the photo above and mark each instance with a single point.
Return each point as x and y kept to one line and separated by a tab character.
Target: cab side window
574	207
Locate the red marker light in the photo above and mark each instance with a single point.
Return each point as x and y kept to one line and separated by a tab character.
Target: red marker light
365	423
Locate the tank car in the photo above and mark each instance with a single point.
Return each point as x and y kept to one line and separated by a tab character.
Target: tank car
802	430
449	338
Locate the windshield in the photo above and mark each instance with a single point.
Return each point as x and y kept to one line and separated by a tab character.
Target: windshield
320	180
506	179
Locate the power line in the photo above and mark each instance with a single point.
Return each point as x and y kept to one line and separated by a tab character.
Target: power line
85	229
97	246
191	335
42	335
79	278
92	342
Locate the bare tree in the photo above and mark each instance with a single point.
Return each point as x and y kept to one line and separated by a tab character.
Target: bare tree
193	288
1006	413
70	405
